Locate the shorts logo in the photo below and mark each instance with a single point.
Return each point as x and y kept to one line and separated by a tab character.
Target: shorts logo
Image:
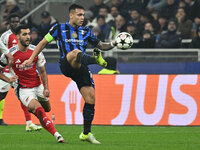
27	99
18	61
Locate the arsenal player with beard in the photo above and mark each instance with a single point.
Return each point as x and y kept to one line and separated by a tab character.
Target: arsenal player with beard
10	39
29	89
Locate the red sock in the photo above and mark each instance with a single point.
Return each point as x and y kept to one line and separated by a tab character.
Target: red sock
26	112
44	120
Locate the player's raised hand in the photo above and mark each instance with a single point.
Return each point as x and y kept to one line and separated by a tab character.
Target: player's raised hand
46	93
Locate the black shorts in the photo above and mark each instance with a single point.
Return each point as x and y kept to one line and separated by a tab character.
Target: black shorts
82	76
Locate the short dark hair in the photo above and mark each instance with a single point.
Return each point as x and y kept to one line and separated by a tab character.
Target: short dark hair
13	15
172	20
75	6
19	27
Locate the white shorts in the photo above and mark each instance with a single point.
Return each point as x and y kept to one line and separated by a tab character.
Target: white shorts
26	95
5	86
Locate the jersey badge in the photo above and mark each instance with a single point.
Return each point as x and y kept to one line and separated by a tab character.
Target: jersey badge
74	34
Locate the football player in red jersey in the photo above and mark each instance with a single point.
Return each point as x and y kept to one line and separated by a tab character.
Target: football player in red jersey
10	39
29	89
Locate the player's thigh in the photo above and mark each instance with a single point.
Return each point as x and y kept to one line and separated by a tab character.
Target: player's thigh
4	86
33	105
45	104
39	92
44	101
25	95
65	67
88	93
83	77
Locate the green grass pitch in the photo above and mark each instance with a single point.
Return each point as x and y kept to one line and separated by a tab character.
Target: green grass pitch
14	137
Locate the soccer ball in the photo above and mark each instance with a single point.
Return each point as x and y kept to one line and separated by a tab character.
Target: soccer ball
124	40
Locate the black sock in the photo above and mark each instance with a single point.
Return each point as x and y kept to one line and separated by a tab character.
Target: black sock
85	59
88	115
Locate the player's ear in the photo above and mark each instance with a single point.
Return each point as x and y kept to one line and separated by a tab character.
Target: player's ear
71	14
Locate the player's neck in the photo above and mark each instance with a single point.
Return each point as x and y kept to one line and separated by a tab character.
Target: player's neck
73	24
22	48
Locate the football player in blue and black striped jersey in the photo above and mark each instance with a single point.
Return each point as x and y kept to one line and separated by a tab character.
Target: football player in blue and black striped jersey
72	39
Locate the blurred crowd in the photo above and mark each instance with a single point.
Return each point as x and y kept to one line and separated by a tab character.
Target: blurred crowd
38	31
152	23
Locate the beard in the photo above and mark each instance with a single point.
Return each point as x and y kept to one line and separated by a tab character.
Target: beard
24	43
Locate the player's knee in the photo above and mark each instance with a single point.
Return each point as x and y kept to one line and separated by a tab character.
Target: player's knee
31	111
76	51
33	105
48	109
90	99
2	95
72	55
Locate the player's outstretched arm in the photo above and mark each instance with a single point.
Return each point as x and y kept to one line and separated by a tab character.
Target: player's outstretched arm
105	46
37	50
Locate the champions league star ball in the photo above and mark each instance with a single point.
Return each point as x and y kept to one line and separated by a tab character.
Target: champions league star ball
124	40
